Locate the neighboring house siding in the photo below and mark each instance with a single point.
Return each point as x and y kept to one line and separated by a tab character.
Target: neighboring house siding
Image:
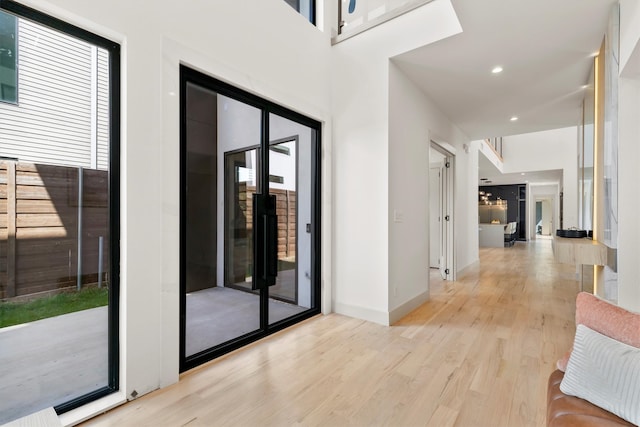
52	122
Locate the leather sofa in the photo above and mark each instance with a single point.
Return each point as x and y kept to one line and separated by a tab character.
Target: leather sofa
569	411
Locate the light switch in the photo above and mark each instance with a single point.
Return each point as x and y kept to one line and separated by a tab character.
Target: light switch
398	216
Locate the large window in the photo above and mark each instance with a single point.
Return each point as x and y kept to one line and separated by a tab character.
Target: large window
59	218
8	58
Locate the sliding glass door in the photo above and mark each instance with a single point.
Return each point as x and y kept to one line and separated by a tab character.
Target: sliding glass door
248	219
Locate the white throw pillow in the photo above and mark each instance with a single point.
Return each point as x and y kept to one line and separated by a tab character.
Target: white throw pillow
604	372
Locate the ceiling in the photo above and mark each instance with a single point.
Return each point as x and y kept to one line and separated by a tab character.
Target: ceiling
545	48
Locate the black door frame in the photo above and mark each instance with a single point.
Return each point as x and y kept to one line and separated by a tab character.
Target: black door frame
189	75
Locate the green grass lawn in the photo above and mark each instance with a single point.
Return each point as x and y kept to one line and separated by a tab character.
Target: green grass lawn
15	313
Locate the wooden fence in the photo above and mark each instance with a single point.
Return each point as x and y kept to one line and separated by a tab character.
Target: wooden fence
39	217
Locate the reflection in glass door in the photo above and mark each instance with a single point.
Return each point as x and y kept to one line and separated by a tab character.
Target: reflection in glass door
216	312
248	218
240	186
291	168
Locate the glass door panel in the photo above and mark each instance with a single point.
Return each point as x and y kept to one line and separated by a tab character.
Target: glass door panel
290	181
219	305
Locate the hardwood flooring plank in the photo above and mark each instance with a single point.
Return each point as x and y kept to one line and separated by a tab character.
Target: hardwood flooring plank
478	353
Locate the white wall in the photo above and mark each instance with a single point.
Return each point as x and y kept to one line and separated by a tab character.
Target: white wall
413	121
548	150
466	205
629	193
408	209
491	155
629	36
629	156
361	80
205	35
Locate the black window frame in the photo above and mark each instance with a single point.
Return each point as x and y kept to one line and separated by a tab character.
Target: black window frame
15	66
28	13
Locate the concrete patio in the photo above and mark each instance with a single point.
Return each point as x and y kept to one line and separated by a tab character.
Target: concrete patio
51	361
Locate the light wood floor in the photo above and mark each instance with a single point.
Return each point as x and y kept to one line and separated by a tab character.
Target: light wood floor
478	354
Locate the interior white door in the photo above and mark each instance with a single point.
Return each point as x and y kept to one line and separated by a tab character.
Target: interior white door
442	158
444	214
448	262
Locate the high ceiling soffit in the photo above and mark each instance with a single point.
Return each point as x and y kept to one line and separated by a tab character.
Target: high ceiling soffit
545	49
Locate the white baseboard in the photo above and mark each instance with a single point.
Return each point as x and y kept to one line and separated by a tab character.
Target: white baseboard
381	317
363	313
464	269
406	308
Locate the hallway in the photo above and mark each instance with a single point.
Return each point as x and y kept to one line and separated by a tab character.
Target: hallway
477	354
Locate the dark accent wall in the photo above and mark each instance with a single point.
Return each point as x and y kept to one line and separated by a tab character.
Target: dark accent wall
510	193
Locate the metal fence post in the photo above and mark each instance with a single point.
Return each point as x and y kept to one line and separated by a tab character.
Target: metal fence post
100	239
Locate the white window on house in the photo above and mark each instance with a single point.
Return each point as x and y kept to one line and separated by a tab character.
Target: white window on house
8	58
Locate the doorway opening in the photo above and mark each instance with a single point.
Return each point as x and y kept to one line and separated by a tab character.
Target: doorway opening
544	217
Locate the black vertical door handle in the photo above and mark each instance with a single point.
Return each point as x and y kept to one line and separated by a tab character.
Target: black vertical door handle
271	247
265	241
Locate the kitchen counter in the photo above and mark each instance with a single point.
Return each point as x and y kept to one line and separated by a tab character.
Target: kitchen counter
491	235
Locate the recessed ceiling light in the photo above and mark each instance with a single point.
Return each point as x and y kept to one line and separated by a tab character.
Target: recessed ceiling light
514	118
584	86
522	173
497	69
